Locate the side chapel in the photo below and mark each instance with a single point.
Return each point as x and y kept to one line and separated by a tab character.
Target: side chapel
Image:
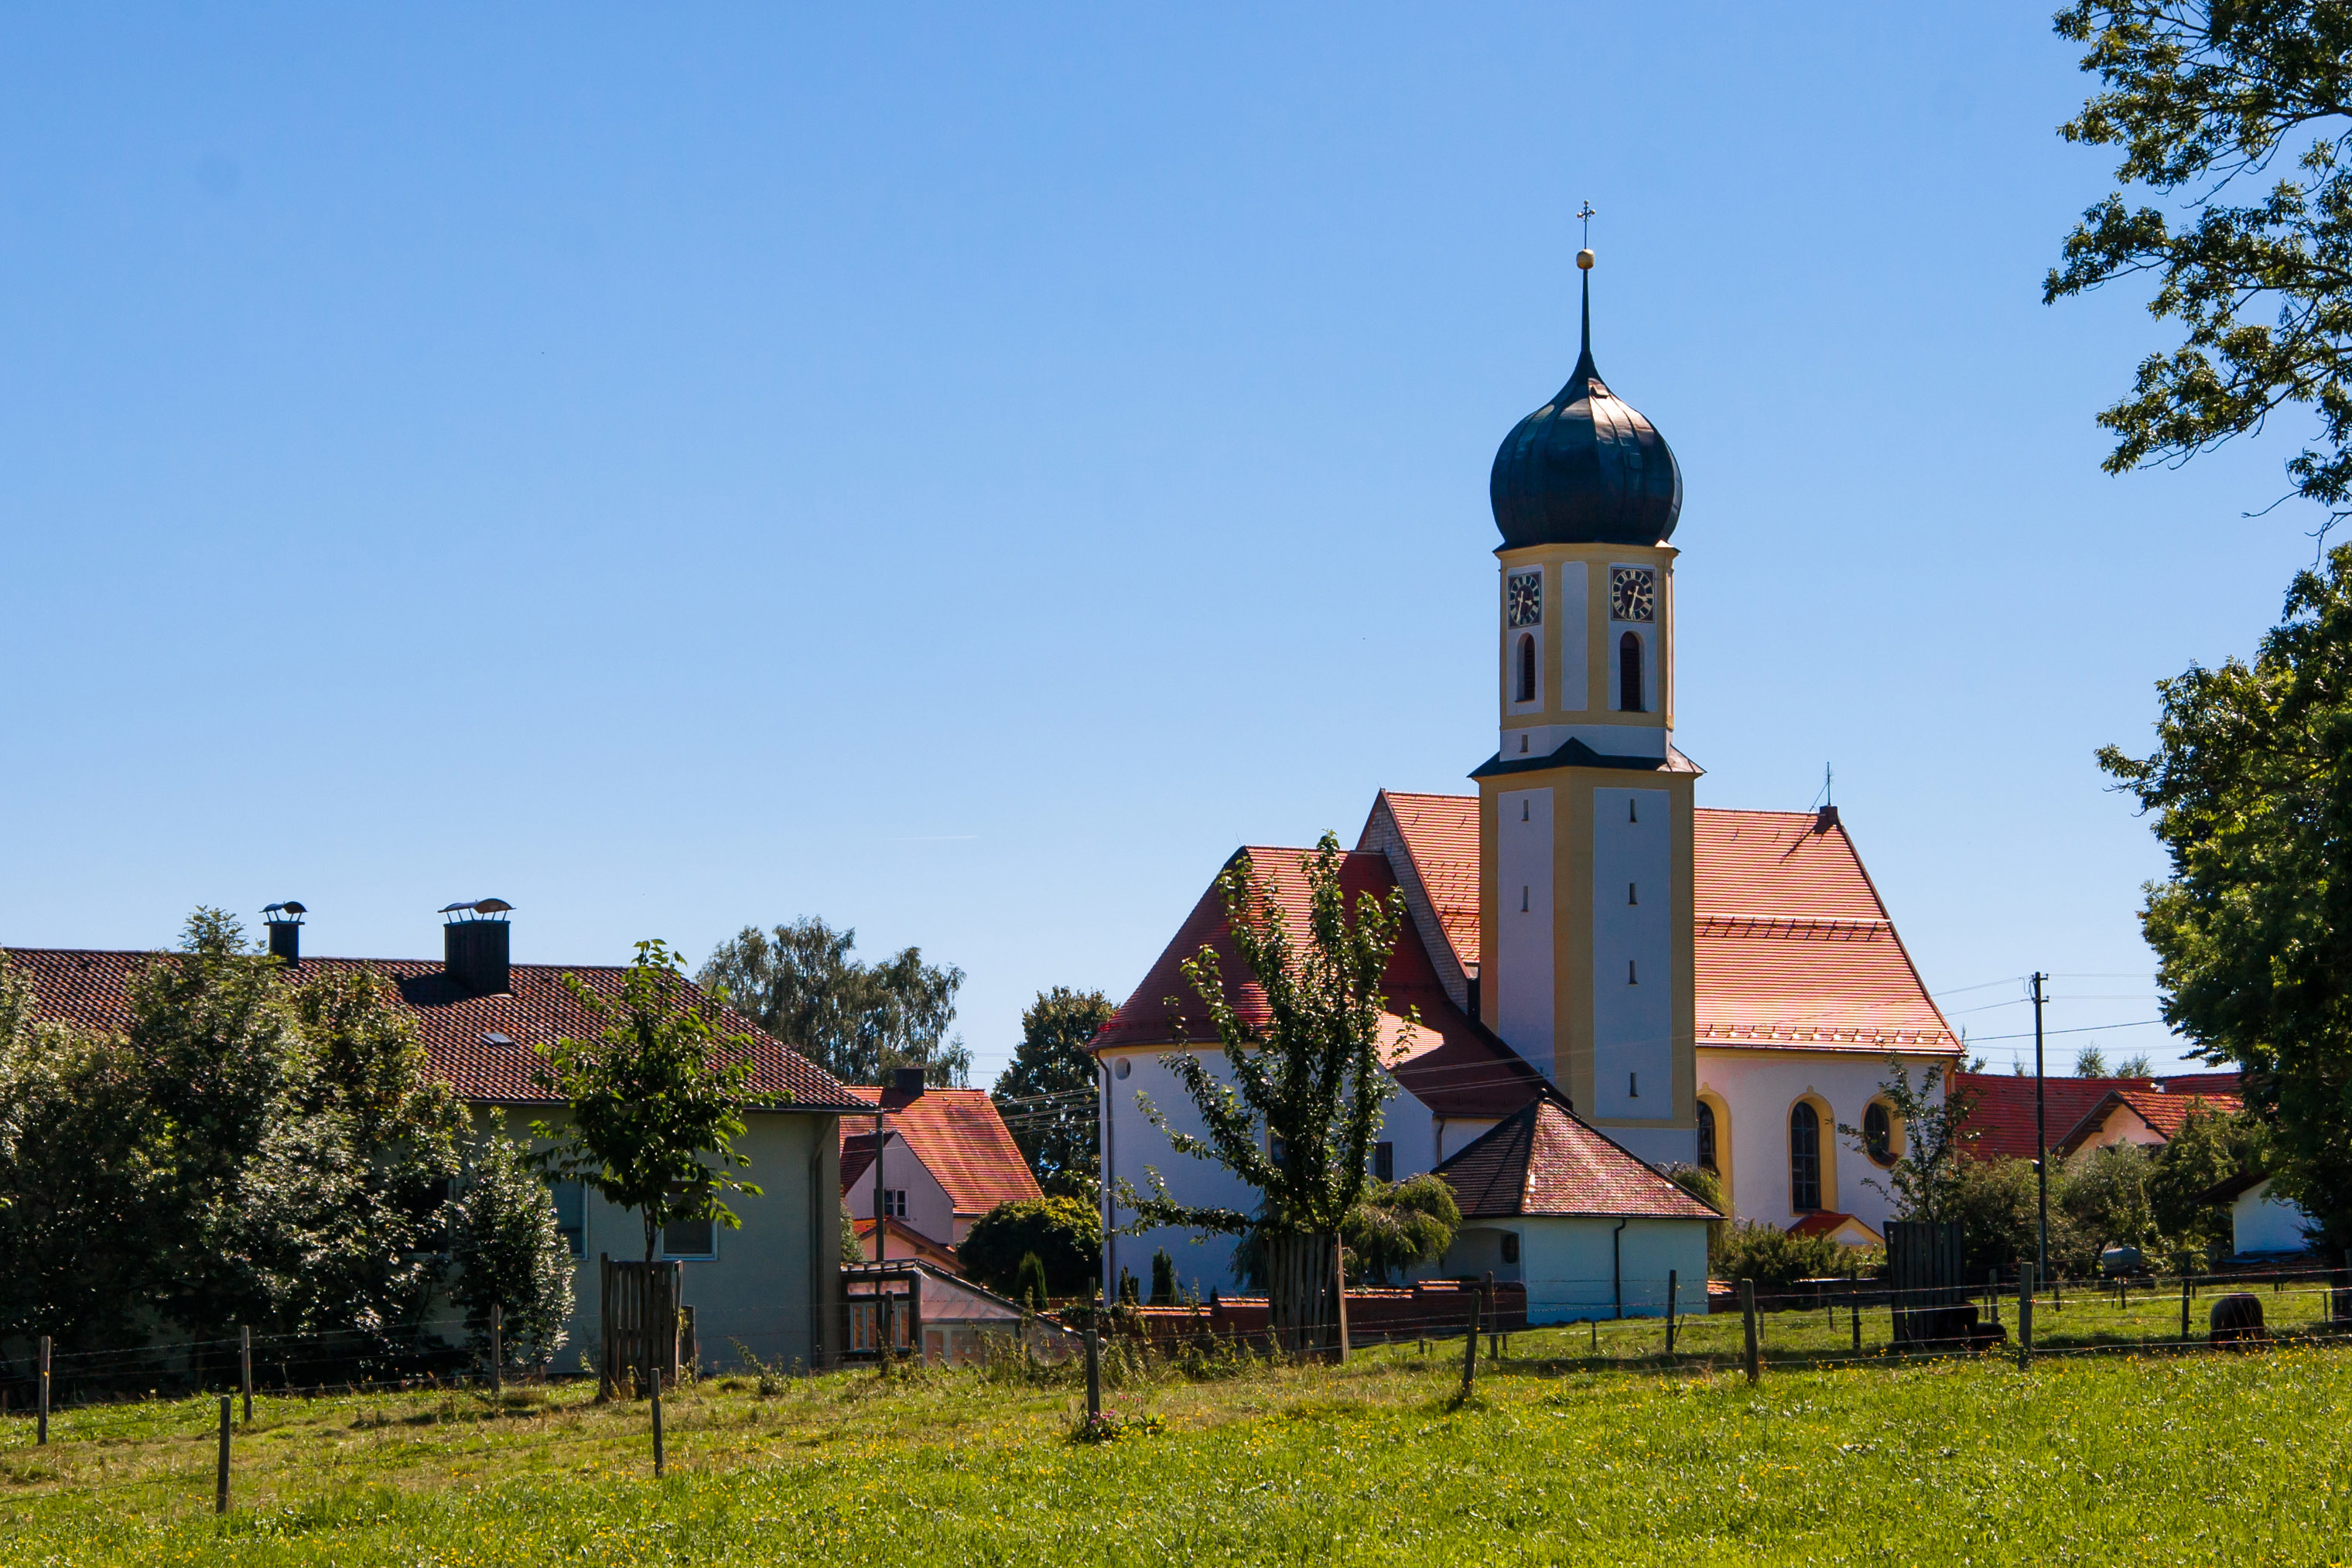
1610	979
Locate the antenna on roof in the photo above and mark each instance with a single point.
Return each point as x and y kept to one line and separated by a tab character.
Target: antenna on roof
1825	808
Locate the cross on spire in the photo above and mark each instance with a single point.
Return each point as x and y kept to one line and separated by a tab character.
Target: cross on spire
1585	214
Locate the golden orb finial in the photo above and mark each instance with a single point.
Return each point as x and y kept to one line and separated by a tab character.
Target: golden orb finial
1585	259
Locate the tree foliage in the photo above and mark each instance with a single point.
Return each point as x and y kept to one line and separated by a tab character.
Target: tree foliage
1399	1226
2251	784
1063	1233
1924	1182
654	1100
510	1255
1046	1092
2232	116
858	1021
1777	1258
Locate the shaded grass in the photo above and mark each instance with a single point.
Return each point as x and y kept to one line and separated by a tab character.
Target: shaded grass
2172	1460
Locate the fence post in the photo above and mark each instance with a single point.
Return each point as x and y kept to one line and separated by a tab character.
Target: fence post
220	1478
1486	1303
42	1431
1094	1372
655	1379
497	1348
2025	1316
1470	1349
1670	1311
1854	1309
2184	1308
1339	1285
1748	1311
245	1367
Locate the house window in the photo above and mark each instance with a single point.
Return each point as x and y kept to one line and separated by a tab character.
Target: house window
1525	685
1878	1133
1384	1162
894	1202
1706	1137
1629	673
691	1239
1510	1246
1805	1160
570	1215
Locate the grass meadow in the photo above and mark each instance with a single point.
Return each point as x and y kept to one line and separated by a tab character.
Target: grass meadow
2141	1457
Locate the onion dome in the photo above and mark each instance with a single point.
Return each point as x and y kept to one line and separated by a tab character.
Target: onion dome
1587	467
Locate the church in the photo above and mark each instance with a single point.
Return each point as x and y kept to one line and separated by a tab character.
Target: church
1607	980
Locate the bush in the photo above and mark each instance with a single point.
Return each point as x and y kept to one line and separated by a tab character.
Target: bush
509	1253
1706	1186
1029	1283
1063	1233
1772	1257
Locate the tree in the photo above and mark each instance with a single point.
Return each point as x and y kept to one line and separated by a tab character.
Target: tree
856	1020
510	1255
1400	1225
1046	1092
1029	1283
1063	1233
2105	1196
2251	784
2206	98
1163	1279
1310	1083
1924	1183
1707	1187
2090	1062
2134	1067
657	1099
2207	1150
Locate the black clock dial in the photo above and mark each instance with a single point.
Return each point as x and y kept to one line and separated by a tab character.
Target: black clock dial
1633	593
1524	597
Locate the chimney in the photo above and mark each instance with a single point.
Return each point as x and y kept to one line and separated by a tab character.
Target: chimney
474	945
284	923
906	1080
1827	819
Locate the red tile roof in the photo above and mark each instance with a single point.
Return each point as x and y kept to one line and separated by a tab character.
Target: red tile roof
1824	1223
1449	1063
1545	1160
2162	1110
2003	1117
1441	831
959	1137
92	990
906	1243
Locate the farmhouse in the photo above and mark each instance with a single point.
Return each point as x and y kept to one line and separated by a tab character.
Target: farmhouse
773	1285
1593	960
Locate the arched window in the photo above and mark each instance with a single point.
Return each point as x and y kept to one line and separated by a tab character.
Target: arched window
1523	685
1804	1158
1706	1137
1629	673
1878	1133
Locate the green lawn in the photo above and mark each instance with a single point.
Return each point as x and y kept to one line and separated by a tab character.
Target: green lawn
2155	1459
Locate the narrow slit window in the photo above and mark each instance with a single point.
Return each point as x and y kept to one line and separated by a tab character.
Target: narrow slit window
1630	979
1706	1136
1631	896
1523	811
1633	811
1525	685
1523	900
1632	1086
1629	673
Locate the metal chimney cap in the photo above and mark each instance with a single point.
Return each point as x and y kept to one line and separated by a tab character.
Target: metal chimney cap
287	907
479	906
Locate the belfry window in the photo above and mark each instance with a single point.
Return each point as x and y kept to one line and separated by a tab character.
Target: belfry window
1706	1136
1629	673
1805	1160
1524	683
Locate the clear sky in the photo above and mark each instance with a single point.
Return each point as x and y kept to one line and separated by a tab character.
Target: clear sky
961	472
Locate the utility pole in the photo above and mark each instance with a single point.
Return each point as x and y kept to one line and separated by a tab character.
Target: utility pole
2040	1144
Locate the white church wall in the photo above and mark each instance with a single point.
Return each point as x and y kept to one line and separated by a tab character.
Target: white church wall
1757	1088
1632	948
1526	1001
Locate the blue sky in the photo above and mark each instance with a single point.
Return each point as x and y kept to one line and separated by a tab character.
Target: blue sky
961	473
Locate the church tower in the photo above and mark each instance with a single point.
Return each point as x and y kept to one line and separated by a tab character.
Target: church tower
1585	811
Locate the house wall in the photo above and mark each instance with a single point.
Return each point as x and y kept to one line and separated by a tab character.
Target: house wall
775	1284
1753	1090
929	1211
1567	1263
2261	1222
2122	1126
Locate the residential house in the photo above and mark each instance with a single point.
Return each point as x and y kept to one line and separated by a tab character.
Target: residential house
945	1159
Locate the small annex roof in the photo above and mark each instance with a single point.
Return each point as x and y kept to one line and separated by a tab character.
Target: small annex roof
1999	1124
1825	1223
1793	947
481	1045
907	1245
1547	1160
959	1137
2163	1112
1446	1061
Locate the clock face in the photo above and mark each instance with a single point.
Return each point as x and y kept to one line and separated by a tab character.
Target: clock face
1633	593
1524	597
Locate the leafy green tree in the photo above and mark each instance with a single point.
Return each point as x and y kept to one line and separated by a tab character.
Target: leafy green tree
1163	1279
2091	1062
655	1101
1309	1084
85	1181
2134	1067
1997	1205
1046	1093
853	1251
1400	1225
2251	785
2207	1150
1065	1233
857	1021
2105	1197
1923	1181
510	1254
2232	114
1029	1283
